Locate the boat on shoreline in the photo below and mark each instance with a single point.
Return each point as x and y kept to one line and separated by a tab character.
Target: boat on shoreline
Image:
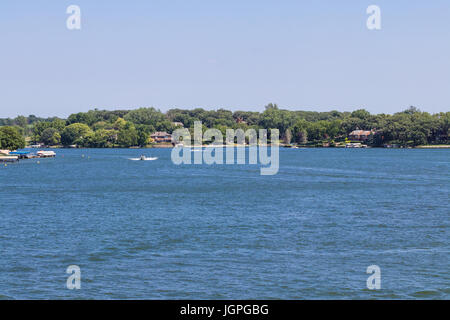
46	154
355	145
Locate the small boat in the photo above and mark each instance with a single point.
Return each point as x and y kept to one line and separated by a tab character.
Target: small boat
46	154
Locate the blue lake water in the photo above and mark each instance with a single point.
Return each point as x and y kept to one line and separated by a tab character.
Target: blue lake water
154	230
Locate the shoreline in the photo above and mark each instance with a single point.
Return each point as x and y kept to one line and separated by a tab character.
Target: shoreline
163	146
444	146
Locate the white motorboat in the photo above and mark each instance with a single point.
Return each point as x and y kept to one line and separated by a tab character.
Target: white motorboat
144	158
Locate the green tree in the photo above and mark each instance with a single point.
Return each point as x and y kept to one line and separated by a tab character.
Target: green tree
275	118
40	126
50	137
11	139
21	121
317	131
288	136
143	133
127	136
300	131
75	133
147	116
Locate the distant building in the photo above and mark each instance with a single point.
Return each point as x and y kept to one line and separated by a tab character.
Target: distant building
161	137
360	135
240	120
178	124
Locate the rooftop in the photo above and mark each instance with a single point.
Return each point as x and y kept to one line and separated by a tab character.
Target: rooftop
160	134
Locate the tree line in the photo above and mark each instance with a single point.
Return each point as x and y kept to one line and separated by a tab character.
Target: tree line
126	128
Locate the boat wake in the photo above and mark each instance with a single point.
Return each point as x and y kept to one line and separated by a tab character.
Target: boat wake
143	159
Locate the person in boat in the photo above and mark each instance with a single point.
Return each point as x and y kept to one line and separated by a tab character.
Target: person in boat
142	157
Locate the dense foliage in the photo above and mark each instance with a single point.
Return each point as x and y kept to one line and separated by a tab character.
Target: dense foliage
11	138
125	128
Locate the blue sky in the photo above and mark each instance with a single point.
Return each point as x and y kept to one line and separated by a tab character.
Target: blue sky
240	55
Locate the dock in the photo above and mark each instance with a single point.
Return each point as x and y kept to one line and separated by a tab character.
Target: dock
20	154
9	158
14	156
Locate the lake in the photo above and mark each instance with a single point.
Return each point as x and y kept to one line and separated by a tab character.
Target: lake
154	230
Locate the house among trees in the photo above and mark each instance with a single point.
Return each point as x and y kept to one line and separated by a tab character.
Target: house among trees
162	137
240	120
178	124
360	135
131	128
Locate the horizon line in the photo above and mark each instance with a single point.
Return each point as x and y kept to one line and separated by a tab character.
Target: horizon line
208	108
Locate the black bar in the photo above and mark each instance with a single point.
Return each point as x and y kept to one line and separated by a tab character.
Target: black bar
226	309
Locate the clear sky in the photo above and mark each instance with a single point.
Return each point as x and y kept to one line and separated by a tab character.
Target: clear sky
236	54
